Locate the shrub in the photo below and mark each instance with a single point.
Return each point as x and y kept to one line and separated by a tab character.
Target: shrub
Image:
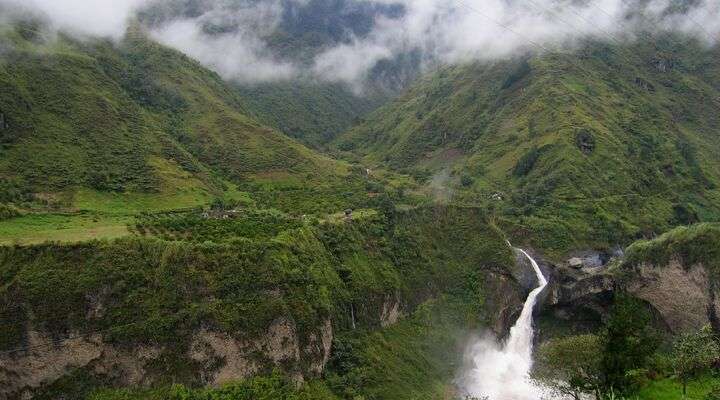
526	163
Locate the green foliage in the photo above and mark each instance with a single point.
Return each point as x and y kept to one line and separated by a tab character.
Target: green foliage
714	394
520	72
692	245
526	163
139	282
271	387
584	155
313	113
466	180
669	389
413	359
585	141
154	291
8	211
135	117
694	353
571	365
217	225
628	340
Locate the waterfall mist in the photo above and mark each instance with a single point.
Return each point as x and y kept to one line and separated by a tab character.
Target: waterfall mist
500	371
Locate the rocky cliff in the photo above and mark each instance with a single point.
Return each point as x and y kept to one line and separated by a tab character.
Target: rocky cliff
675	275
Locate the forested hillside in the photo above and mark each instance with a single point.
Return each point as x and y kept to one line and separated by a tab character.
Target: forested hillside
601	145
91	123
306	301
314	113
309	108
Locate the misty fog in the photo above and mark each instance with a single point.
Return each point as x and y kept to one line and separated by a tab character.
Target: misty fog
443	31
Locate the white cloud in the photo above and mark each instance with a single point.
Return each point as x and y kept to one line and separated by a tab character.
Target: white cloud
240	56
85	17
459	30
445	31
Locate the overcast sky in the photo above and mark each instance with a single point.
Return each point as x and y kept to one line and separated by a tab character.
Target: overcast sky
446	30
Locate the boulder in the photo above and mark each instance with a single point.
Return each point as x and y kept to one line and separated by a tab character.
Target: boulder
575	262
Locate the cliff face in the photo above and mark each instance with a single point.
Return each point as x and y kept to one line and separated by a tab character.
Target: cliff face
685	296
218	357
675	275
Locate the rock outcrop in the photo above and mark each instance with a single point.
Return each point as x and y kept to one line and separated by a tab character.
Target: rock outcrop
684	296
44	359
218	357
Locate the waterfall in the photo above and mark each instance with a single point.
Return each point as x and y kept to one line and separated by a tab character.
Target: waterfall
501	372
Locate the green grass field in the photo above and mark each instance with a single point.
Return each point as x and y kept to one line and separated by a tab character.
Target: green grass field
671	389
39	228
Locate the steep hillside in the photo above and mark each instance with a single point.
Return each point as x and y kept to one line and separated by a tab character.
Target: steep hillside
306	106
308	301
596	147
96	125
311	112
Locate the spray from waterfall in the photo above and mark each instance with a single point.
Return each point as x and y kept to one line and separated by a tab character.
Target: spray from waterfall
501	371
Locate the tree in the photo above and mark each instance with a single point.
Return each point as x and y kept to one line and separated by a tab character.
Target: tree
629	339
572	366
694	353
387	209
466	180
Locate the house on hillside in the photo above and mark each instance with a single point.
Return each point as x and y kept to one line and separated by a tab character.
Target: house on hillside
220	214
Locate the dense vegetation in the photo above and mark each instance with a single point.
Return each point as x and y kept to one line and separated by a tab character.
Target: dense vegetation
159	292
615	360
616	142
311	112
96	132
691	245
624	361
135	117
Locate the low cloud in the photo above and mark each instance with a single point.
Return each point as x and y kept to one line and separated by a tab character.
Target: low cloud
238	56
107	18
451	31
233	37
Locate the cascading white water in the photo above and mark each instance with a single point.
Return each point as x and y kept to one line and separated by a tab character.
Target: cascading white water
501	372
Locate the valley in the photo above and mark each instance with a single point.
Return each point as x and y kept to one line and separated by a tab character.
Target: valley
316	200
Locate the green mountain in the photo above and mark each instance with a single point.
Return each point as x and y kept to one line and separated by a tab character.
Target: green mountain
164	234
314	113
304	107
86	121
601	145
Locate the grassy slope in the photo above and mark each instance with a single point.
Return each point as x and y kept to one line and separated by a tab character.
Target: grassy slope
122	128
131	117
671	389
695	244
519	127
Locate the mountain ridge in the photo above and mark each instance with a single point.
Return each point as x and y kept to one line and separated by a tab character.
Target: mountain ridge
554	135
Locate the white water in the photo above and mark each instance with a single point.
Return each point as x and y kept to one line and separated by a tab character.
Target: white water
501	372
